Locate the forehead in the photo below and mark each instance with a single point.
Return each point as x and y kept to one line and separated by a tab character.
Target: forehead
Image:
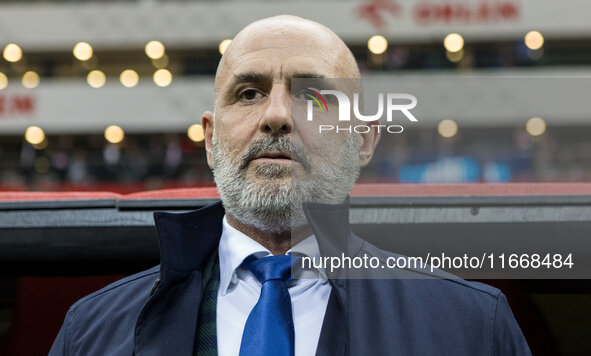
284	52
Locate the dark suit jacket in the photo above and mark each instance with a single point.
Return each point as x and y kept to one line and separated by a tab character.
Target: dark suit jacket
155	312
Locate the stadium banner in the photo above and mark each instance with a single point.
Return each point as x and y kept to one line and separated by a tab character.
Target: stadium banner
181	24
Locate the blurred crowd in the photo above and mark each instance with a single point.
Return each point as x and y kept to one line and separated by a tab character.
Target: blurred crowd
90	162
145	162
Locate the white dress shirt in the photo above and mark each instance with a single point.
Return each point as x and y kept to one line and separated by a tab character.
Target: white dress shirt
239	292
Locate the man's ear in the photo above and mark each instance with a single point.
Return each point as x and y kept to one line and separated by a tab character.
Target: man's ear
207	124
367	144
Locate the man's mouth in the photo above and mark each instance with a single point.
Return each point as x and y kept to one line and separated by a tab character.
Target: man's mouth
274	157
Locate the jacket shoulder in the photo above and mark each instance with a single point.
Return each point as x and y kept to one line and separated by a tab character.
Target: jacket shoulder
439	311
103	323
125	286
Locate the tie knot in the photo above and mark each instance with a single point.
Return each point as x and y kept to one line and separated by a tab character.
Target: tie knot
271	267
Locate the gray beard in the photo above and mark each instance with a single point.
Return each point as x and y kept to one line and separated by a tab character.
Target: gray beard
271	204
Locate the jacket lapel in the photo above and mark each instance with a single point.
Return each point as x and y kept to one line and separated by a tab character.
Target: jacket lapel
330	223
167	324
333	335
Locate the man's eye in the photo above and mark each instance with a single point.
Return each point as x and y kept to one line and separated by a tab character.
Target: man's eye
301	94
250	95
298	93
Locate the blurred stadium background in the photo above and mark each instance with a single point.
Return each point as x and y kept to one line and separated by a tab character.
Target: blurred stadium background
108	96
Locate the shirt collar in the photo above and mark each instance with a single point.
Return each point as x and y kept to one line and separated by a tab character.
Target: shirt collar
235	246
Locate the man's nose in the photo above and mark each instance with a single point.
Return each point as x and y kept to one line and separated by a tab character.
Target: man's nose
277	116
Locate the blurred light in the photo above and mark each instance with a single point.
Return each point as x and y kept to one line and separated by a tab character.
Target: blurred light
162	77
224	45
447	128
3	81
535	126
129	78
12	53
154	49
377	44
195	133
455	56
30	80
161	62
114	134
534	40
34	135
453	42
82	51
96	79
41	165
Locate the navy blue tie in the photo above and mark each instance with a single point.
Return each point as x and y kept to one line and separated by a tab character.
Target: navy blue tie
269	327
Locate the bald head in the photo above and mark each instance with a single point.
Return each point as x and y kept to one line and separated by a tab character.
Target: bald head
279	38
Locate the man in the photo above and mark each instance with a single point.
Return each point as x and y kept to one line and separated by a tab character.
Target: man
221	287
